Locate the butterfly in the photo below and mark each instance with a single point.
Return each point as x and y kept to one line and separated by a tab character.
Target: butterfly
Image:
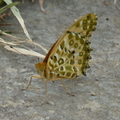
69	56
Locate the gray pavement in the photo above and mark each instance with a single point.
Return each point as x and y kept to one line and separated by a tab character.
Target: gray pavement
97	96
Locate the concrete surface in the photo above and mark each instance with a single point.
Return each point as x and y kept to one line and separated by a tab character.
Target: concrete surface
97	94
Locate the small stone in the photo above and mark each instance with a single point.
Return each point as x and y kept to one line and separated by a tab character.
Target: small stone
93	94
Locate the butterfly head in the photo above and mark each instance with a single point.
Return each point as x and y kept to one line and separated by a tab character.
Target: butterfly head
41	68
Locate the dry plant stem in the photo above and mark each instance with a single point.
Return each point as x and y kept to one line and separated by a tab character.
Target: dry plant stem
12	43
30	81
14	37
115	2
3	42
11	36
23	40
66	89
23	51
45	50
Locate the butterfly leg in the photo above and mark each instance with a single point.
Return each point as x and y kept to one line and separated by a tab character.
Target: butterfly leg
55	79
45	81
66	88
30	81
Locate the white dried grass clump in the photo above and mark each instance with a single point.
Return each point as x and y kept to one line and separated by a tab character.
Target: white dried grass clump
15	41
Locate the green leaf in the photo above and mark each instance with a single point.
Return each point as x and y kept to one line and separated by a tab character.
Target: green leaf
8	6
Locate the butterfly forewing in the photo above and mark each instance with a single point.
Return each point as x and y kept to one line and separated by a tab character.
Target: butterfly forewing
88	21
69	56
84	25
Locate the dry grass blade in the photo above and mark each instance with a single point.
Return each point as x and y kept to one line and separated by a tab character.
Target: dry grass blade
3	42
23	51
20	19
12	37
115	1
20	40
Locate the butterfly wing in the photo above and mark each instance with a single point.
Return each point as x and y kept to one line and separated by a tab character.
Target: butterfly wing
88	21
69	56
84	25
